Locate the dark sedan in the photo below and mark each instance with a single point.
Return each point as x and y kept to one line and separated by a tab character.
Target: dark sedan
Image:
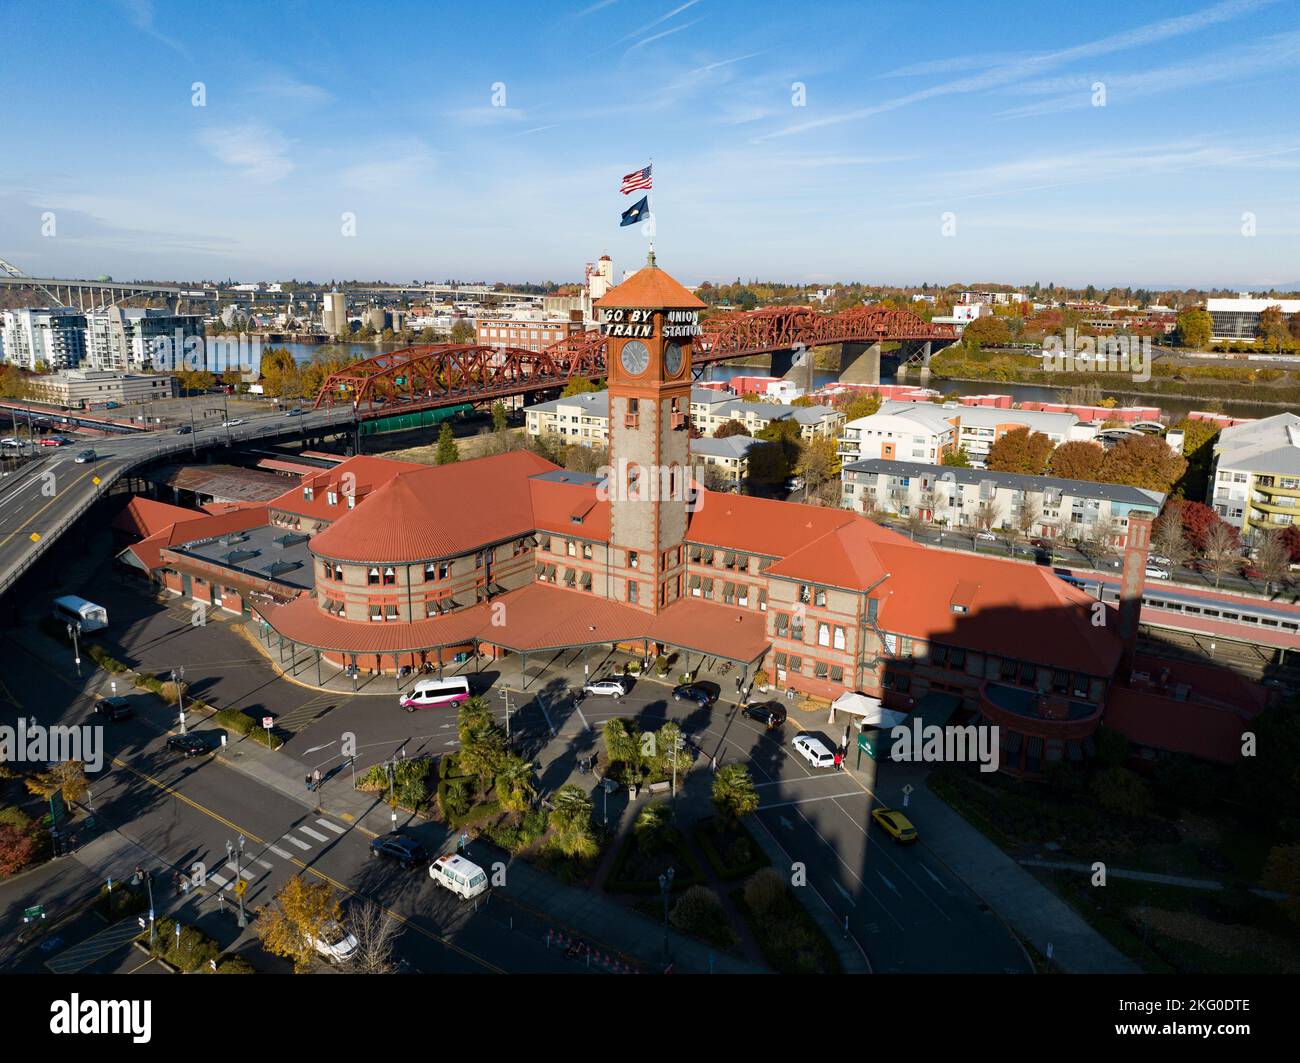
113	709
771	714
190	745
695	692
406	852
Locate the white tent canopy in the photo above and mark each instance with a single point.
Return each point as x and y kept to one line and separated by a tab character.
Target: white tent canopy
872	712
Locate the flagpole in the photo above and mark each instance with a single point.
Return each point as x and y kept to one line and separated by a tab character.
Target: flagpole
654	222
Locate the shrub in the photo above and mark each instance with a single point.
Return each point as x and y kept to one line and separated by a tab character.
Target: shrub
699	911
766	894
1121	791
101	658
124	901
234	965
191	951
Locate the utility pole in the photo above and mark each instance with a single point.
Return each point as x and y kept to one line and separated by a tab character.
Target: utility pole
74	629
179	680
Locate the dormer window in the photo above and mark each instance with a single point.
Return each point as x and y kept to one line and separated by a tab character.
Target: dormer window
332	498
307	492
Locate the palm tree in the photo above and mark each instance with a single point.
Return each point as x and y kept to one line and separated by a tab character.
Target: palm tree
474	711
572	822
515	787
733	793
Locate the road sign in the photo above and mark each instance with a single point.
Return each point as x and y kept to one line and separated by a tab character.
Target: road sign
267	722
241	887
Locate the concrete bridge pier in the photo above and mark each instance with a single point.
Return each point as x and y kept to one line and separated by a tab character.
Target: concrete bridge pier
860	362
926	350
797	366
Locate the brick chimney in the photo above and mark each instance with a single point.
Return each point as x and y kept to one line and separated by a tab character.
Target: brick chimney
1132	583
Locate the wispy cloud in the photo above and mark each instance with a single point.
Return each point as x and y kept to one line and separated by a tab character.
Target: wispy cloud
648	26
656	36
284	86
258	152
484	116
1015	71
140	13
397	167
1265	58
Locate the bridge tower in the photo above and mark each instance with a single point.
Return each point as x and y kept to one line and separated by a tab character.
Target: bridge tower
649	322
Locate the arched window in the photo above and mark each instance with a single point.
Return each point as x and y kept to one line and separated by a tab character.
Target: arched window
633	480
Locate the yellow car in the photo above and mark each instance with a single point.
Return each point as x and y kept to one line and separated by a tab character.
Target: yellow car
896	825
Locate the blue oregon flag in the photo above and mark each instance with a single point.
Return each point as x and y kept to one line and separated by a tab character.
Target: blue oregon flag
635	212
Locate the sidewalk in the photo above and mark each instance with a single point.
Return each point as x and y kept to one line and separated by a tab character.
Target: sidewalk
1212	884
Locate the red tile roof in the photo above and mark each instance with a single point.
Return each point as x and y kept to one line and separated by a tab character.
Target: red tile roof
650	286
200	526
144	517
569	509
435	511
1013	608
364	474
533	618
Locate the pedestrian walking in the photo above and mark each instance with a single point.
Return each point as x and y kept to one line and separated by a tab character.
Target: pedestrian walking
461	842
307	780
839	760
715	765
315	779
176	882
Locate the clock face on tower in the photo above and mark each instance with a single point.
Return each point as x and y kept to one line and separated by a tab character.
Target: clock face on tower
635	357
673	359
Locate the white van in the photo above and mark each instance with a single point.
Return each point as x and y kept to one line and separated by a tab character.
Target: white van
430	693
73	610
814	751
463	877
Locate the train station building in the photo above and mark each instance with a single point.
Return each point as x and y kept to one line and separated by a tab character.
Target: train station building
386	566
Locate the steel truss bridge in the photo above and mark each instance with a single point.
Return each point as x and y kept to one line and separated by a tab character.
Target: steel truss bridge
432	375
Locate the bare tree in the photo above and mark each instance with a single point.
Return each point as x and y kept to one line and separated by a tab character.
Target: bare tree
1027	518
1273	559
986	516
1101	534
1170	539
376	930
1221	551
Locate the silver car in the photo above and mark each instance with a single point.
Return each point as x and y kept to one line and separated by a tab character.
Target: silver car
613	687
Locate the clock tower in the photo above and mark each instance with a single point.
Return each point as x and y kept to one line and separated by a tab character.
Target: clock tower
649	322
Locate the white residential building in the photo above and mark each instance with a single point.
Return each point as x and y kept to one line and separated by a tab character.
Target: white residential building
53	337
122	339
979	499
1255	484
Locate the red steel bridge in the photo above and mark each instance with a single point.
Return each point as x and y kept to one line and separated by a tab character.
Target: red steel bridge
441	374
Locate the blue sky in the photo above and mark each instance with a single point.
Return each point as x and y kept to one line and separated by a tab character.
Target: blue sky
908	113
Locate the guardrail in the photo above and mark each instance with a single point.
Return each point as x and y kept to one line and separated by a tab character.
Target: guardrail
33	551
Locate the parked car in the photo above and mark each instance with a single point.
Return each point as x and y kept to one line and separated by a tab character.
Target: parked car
695	692
463	877
895	824
188	745
988	537
335	943
814	751
184	430
404	851
771	714
85	456
1156	572
1251	572
51	441
612	686
1160	559
113	709
10	441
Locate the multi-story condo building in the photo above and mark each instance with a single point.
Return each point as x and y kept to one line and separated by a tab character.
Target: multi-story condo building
582	418
708	416
1255	484
926	431
1237	319
127	339
979	499
54	338
729	455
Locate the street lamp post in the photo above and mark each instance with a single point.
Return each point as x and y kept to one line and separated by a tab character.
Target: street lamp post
666	884
74	630
178	678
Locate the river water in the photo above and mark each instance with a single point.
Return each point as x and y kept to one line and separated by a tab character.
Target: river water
1174	406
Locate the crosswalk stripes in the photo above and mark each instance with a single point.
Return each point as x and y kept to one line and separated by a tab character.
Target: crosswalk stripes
265	864
331	826
281	853
294	841
314	834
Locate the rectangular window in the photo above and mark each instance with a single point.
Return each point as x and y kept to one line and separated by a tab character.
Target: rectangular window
823	635
840	641
632	590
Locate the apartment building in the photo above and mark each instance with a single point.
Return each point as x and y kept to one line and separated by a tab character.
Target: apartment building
531	330
1044	506
730	456
129	339
1255	484
574	418
54	337
925	431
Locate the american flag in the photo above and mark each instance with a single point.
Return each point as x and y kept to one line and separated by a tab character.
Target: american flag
636	181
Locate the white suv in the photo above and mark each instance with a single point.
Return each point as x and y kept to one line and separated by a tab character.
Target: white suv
814	751
613	687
